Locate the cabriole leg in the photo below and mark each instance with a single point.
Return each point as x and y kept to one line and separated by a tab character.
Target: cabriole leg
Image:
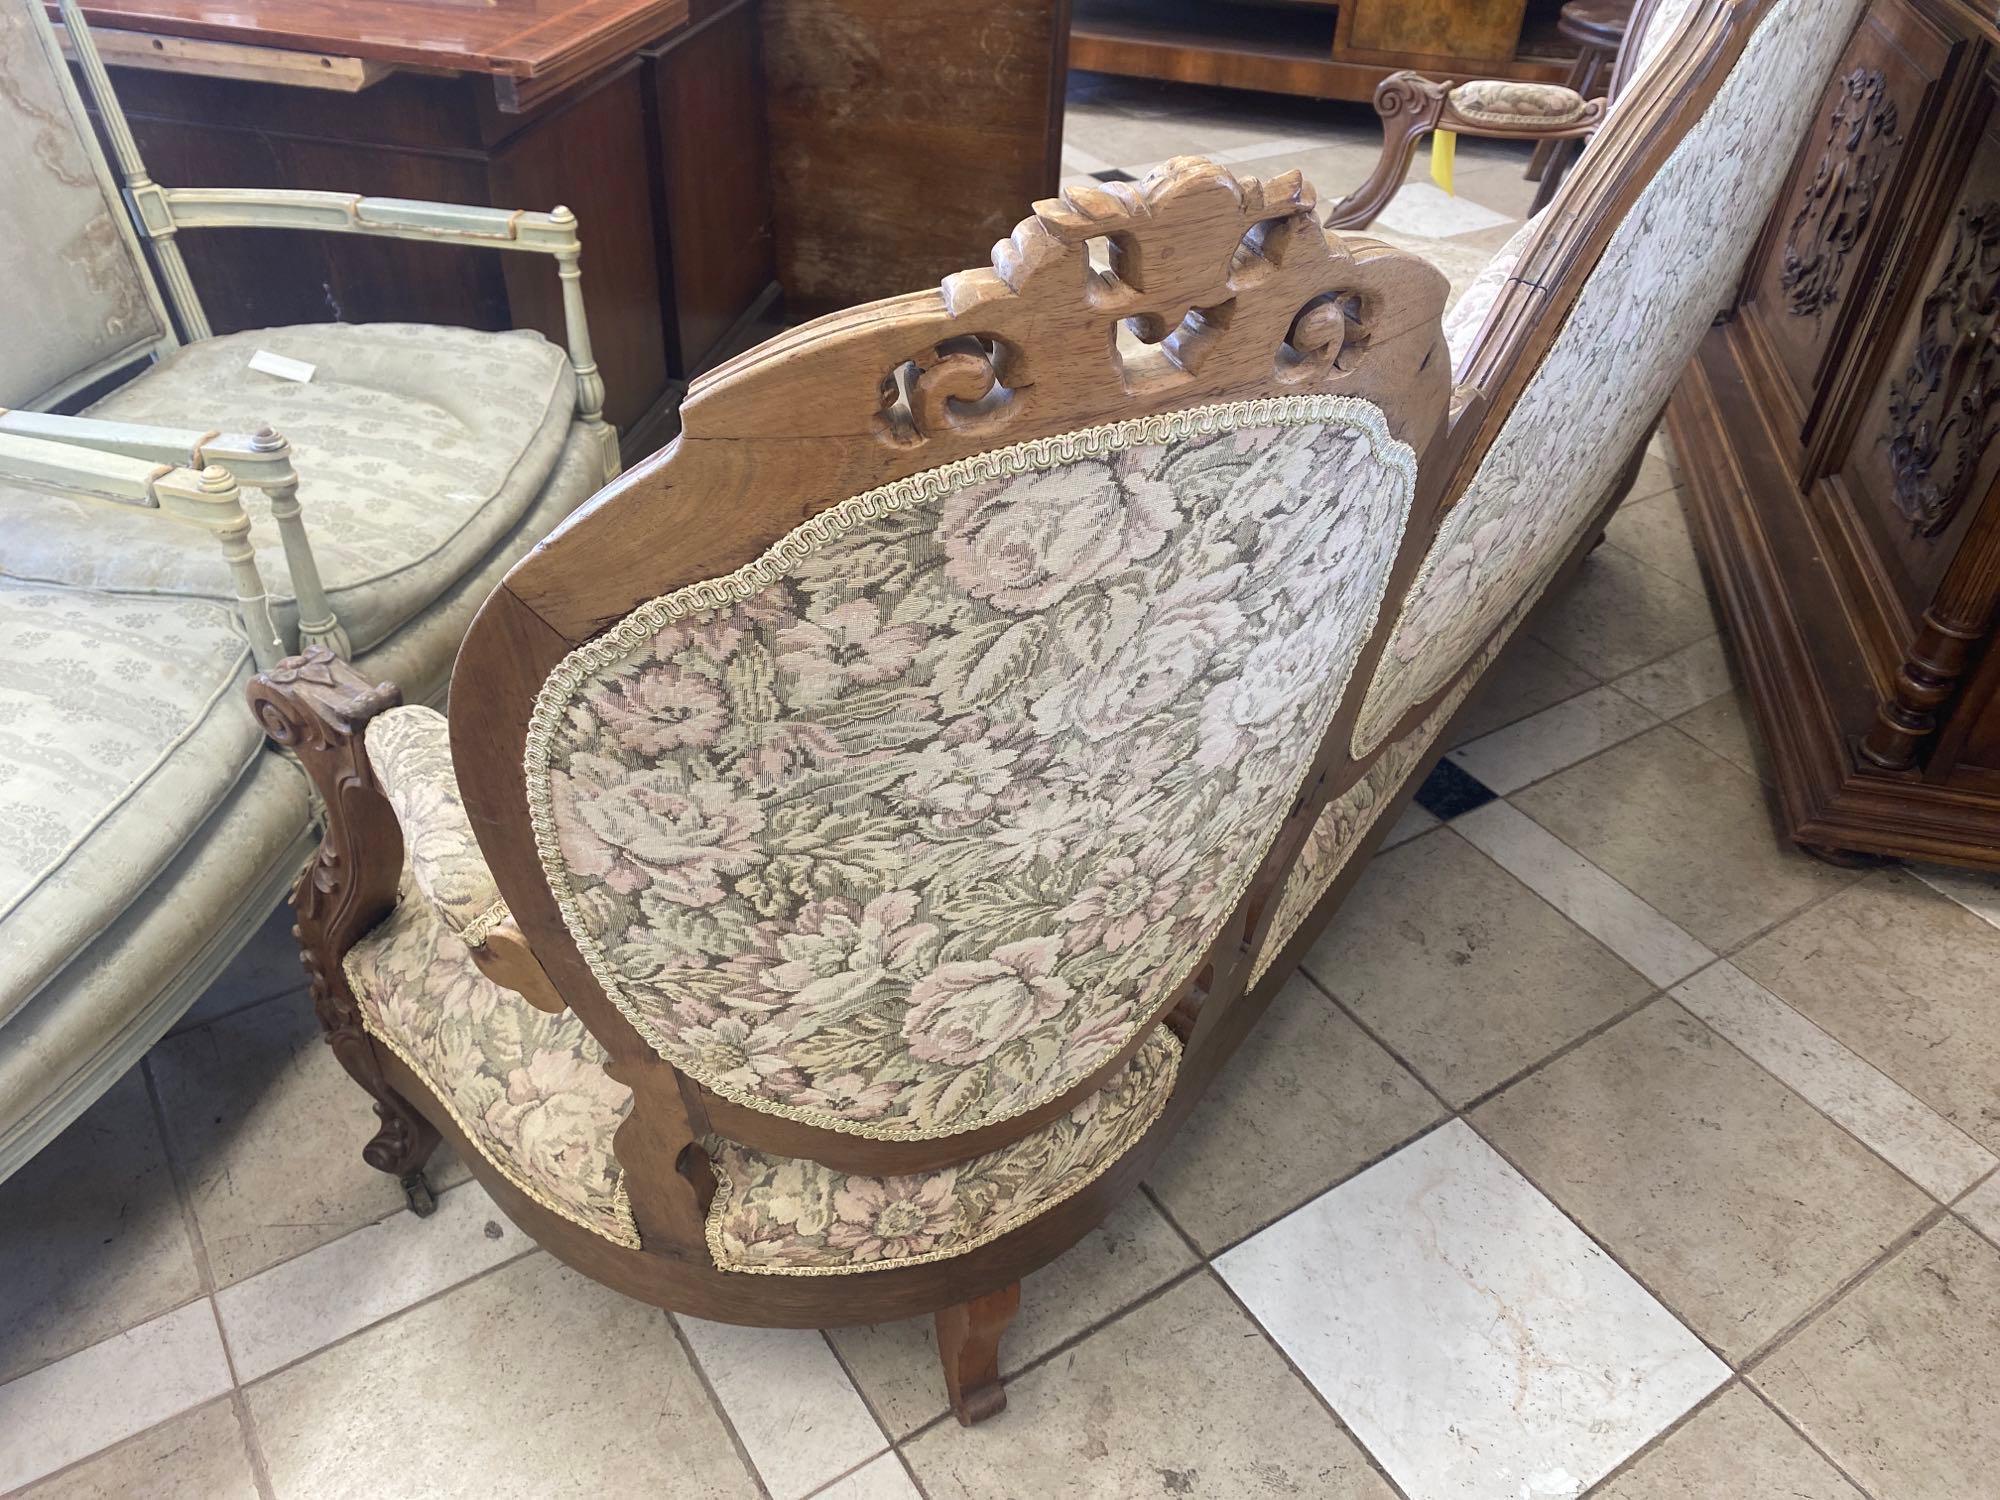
969	1344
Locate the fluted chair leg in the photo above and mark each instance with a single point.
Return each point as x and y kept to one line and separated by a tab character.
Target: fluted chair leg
969	1344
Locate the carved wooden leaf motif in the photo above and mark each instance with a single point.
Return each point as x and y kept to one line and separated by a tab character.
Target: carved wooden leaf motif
1944	409
1198	265
1861	140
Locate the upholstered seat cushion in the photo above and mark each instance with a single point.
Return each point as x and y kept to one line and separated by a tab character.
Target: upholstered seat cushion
529	1089
417	449
122	726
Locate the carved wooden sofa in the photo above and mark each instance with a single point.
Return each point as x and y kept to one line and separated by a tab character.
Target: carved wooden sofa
860	834
197	521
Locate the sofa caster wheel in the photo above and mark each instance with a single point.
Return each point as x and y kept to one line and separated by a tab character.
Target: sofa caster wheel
417	1193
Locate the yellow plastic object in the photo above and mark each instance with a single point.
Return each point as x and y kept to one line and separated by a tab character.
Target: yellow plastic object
1444	150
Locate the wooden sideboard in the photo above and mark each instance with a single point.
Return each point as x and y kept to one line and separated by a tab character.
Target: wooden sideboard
1326	49
1837	433
640	115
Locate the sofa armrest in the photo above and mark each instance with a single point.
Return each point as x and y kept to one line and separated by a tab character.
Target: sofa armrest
1412	106
409	750
207	497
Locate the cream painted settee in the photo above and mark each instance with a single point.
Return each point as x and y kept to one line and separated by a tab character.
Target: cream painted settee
197	522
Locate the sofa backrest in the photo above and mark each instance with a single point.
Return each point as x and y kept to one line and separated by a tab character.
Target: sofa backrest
1636	255
900	745
81	300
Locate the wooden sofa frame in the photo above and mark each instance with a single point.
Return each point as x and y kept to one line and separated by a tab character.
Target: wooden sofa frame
1025	349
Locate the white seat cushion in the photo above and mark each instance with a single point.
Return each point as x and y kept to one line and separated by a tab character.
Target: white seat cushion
122	727
417	448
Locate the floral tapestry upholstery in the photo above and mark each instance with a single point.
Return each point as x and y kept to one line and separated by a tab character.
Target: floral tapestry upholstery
1498	101
417	448
530	1092
1662	26
122	727
909	826
1346	819
1669	266
528	1088
1467	316
786	1217
409	750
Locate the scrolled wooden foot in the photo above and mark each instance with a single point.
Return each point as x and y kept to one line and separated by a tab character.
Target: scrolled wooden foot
1848	859
969	1345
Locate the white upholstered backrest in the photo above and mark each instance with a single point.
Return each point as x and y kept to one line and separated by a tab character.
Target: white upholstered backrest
77	295
1669	266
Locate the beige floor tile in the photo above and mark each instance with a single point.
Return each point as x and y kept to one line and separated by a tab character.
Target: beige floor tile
531	1382
1463	970
1128	1255
1333	170
1182	1396
268	1129
1736	1446
1730	1196
1727	725
1307	1100
1905	977
1685	830
1656	473
1981	1208
199	1456
1655	531
1618	613
1527	678
268	965
1900	1380
881	1479
1686	679
92	1238
1499	186
1575	729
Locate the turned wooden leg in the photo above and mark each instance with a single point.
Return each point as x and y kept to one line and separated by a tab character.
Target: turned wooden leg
969	1344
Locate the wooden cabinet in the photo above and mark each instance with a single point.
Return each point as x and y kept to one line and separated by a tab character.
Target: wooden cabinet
1329	49
1838	432
643	116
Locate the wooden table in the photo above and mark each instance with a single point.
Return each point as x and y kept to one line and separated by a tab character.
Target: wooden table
643	116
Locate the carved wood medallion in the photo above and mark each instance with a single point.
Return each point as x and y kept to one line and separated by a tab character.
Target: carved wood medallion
1942	408
1833	214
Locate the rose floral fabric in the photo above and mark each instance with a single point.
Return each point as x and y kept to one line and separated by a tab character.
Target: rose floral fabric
785	1217
1497	101
527	1087
1669	265
908	827
1464	319
1346	819
530	1091
409	750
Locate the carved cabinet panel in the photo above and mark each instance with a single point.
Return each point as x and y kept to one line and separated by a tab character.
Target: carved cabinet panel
1839	431
1824	246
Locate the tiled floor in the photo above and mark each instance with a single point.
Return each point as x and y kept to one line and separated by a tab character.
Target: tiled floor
1605	1146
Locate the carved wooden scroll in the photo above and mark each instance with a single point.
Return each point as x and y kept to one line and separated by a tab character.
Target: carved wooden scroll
1861	140
1944	409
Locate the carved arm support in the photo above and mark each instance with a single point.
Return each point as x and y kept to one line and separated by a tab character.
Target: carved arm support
163	212
1412	106
261	460
207	497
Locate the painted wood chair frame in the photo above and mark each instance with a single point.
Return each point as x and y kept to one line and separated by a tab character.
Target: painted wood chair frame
846	403
262	460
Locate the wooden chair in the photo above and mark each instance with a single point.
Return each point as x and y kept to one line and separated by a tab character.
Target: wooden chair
1598	29
864	830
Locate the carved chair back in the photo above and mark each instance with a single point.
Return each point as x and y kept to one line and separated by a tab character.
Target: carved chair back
81	299
873	770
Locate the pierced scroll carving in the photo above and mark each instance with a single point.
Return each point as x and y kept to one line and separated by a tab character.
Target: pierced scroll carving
1944	409
1193	279
1861	140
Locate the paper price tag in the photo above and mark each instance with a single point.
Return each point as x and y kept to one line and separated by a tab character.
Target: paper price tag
281	366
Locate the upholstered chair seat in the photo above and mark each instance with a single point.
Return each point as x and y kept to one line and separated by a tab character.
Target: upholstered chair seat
530	1090
423	448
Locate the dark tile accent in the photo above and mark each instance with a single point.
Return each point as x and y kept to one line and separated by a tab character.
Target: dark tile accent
1112	174
1448	791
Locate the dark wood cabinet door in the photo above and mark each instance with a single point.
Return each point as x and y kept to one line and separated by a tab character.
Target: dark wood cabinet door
1819	264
